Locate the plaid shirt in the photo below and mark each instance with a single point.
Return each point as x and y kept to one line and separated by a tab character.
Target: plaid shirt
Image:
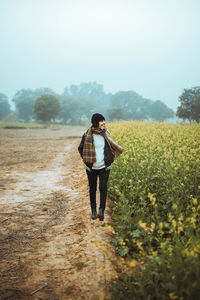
108	155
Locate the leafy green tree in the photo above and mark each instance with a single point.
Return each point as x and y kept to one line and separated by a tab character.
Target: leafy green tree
183	113
159	111
4	106
85	90
21	94
134	106
73	109
24	101
189	105
47	107
93	91
24	108
115	114
32	93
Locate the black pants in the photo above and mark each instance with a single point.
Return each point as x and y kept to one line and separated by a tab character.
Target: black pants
103	180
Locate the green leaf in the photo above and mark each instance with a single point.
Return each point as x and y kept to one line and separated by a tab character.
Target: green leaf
135	233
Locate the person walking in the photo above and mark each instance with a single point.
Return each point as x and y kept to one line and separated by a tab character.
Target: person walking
98	151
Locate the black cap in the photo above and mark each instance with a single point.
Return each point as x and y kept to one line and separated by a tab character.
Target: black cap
96	118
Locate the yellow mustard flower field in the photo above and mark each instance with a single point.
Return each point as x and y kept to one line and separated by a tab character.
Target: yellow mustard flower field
155	190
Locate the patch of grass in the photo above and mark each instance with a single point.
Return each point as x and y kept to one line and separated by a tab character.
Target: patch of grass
19	125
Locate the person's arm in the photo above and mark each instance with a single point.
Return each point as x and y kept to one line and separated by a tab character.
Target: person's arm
80	147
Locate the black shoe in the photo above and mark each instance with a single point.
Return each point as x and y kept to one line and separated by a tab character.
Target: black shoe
101	214
94	214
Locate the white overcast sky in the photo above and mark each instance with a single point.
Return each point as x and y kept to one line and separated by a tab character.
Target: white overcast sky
149	46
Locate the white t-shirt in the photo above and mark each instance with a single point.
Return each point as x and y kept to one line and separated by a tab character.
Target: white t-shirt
99	143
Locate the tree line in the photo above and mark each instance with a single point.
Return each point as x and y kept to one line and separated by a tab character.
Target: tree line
77	102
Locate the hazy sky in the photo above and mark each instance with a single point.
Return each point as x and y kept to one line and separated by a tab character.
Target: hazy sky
149	46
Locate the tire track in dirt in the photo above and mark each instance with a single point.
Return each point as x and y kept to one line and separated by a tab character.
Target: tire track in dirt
67	255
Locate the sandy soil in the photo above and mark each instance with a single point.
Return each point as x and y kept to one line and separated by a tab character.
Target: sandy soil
49	246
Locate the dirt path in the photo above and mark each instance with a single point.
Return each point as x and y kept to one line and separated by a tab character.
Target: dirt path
49	246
